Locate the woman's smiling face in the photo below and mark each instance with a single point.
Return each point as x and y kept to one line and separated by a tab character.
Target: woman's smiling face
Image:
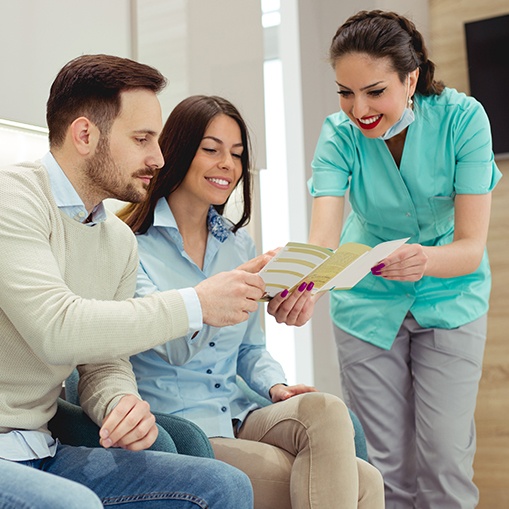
217	165
371	92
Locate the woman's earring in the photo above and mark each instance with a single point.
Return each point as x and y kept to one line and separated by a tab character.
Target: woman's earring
409	103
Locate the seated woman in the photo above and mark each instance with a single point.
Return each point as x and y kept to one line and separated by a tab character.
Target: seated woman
298	452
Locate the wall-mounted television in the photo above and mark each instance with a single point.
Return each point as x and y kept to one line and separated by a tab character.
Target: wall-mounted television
488	71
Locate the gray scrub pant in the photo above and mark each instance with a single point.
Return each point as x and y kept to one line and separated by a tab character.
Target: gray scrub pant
416	402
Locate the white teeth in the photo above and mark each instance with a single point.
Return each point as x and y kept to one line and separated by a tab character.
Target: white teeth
369	120
221	182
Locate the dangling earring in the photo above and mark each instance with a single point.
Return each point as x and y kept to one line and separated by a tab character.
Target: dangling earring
409	103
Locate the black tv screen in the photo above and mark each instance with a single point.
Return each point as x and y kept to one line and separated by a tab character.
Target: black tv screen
488	71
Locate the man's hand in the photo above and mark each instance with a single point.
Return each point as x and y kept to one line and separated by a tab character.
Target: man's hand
280	392
228	297
256	264
294	309
130	425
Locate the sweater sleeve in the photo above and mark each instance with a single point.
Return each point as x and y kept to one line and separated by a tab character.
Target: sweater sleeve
61	327
101	386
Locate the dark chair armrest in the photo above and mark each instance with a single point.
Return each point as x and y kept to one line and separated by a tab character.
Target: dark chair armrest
189	438
72	426
361	449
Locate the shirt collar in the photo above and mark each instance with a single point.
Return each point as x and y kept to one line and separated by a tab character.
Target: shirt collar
217	225
66	197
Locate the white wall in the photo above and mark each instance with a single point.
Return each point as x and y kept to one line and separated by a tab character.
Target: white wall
38	38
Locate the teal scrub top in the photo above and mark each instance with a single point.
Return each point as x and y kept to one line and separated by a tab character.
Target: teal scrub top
448	151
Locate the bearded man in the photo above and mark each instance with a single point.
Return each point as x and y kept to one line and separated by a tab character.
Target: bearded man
67	281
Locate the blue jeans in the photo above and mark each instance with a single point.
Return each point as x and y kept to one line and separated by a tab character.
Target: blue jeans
25	488
150	479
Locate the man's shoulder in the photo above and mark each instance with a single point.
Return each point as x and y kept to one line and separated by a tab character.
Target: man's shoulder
27	174
26	182
33	170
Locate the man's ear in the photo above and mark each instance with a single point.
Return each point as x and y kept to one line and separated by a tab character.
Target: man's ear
84	135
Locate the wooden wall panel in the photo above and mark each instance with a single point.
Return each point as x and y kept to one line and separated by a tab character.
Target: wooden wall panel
447	43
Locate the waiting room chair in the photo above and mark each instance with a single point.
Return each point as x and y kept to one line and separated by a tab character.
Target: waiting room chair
176	434
73	427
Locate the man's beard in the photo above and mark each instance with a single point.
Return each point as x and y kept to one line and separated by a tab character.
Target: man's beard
104	176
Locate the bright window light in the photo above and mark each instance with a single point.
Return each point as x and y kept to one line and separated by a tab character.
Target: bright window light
271	5
274	206
271	16
271	19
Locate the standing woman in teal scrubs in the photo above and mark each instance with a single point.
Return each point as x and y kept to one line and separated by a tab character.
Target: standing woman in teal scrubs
417	158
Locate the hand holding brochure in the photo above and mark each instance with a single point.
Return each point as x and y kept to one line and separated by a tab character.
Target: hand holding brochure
328	270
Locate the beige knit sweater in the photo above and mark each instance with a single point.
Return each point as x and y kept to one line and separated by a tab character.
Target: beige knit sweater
65	300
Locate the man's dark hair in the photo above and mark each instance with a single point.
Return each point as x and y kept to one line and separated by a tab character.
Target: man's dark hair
90	86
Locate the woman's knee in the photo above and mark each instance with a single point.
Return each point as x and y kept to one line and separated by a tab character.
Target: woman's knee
323	409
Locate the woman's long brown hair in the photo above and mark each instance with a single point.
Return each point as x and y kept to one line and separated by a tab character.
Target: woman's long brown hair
179	141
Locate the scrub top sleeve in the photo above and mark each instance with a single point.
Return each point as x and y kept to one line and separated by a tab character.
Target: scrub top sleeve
332	161
476	171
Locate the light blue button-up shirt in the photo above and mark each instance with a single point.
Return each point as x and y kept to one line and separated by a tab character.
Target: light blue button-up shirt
447	151
196	377
66	197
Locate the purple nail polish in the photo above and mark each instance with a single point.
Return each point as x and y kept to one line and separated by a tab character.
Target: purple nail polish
376	273
284	293
378	267
302	287
310	286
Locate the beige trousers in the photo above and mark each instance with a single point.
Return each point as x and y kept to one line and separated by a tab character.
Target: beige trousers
300	454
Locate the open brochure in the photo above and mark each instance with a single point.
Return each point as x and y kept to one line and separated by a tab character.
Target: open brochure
328	270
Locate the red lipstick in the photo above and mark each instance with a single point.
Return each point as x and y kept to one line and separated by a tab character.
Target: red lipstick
369	122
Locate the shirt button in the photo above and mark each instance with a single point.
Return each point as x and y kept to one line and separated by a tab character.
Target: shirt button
223	409
81	214
408	214
212	343
217	386
209	371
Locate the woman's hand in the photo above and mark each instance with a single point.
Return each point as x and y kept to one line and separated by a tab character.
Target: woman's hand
407	263
295	308
280	392
461	256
